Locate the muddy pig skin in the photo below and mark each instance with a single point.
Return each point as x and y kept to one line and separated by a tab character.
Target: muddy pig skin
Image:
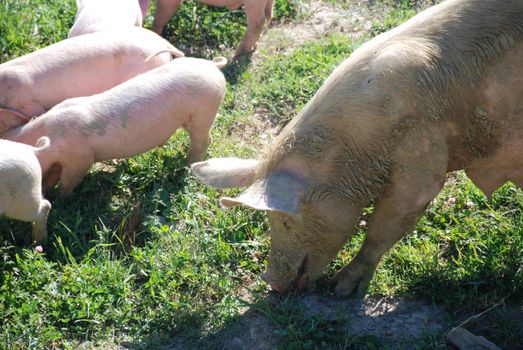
127	120
21	185
92	63
258	12
99	15
439	93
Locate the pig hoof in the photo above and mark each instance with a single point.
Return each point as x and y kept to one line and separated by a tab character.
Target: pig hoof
344	289
353	280
356	289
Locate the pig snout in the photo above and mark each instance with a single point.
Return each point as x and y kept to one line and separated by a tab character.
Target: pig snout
274	285
300	282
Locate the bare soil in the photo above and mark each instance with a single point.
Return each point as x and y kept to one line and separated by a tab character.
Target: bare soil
397	323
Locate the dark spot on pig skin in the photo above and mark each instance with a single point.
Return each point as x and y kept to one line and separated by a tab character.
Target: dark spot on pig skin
97	126
124	118
13	191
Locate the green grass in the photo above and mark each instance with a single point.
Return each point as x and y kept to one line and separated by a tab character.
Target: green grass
142	253
201	30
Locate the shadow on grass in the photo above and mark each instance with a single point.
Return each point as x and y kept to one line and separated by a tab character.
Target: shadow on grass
314	321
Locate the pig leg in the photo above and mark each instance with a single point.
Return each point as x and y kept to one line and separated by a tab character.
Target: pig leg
144	7
40	223
199	127
200	141
72	174
198	148
418	176
268	10
165	9
52	176
255	11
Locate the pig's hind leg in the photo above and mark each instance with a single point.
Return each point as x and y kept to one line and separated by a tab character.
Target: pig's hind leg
268	10
417	177
255	11
73	173
165	9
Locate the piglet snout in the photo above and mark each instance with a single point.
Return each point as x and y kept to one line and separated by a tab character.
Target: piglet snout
274	286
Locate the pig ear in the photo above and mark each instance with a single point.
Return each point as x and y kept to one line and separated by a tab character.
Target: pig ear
280	192
226	172
10	119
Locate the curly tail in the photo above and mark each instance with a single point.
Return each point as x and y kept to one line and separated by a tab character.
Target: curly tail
42	144
220	61
174	52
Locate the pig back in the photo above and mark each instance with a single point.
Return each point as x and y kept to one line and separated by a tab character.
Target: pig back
88	64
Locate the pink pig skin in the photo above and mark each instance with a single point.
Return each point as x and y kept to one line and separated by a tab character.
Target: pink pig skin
127	120
80	66
99	15
258	12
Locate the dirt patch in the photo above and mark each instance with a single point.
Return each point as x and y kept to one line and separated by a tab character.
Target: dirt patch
395	322
320	20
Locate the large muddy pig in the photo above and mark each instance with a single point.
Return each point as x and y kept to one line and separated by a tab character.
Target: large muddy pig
81	66
129	119
258	12
99	15
442	92
21	185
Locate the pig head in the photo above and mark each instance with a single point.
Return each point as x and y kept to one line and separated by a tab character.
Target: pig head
21	185
442	92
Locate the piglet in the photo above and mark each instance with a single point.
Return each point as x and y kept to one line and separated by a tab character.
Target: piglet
100	15
21	185
81	66
258	12
129	119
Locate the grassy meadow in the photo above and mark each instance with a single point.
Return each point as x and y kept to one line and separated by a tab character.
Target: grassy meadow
142	254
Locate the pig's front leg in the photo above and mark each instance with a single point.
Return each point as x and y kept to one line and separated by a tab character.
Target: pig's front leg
165	9
255	11
418	176
40	223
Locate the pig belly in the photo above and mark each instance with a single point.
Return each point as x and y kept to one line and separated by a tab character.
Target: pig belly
503	104
505	165
232	4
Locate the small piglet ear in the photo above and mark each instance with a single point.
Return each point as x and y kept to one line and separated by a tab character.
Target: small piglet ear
279	192
10	119
226	172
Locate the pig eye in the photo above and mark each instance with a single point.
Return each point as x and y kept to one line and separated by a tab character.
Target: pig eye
288	223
